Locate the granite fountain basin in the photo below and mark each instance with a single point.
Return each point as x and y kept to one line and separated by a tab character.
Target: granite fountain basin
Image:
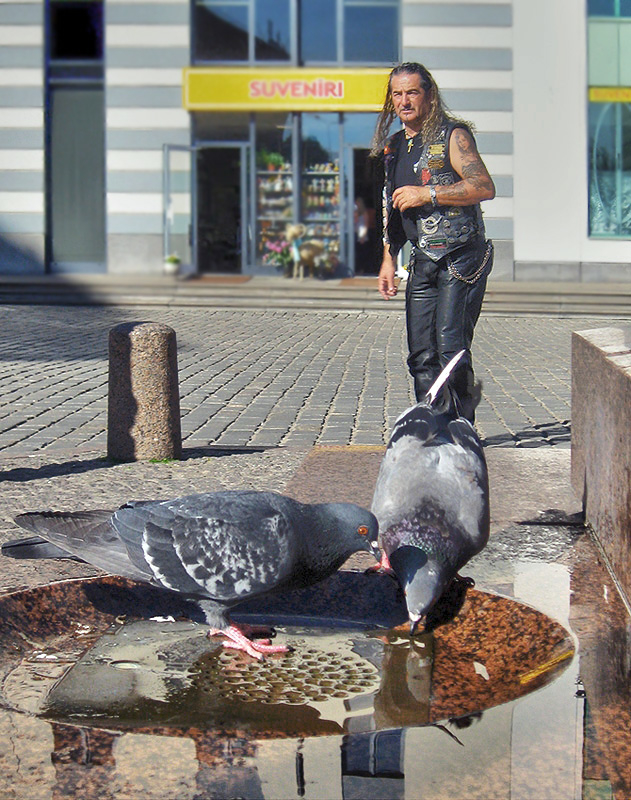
108	653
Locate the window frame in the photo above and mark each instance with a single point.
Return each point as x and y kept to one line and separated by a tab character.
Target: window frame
295	57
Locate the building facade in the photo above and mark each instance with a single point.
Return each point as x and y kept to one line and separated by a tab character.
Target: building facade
134	129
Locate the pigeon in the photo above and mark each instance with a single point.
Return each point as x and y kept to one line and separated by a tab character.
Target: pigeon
431	498
218	548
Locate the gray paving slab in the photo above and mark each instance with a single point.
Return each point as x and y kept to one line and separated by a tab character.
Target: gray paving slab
274	377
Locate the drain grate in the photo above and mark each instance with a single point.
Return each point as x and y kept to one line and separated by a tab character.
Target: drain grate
307	675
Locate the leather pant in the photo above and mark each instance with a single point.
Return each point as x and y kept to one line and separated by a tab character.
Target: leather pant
441	314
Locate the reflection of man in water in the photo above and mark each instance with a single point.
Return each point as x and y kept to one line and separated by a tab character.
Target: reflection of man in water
434	183
404	697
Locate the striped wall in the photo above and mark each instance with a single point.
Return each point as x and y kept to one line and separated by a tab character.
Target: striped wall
22	197
147	46
467	45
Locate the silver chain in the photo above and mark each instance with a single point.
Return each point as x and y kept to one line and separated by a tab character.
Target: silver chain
455	274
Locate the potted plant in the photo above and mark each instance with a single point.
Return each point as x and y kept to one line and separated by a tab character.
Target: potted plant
275	161
171	264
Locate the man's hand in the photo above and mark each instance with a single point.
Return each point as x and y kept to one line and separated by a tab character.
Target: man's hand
385	281
410	197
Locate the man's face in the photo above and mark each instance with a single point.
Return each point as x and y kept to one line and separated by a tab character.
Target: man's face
408	98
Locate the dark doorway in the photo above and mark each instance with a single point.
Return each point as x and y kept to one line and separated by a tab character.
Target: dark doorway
367	178
219	210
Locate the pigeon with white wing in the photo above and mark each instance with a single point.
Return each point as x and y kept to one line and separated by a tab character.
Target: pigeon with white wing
218	548
431	498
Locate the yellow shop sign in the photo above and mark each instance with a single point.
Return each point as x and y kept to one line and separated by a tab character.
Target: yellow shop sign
610	94
253	89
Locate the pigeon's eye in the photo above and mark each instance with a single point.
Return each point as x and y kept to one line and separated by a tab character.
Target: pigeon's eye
362	530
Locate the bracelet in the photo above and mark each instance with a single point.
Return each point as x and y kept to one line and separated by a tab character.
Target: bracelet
432	194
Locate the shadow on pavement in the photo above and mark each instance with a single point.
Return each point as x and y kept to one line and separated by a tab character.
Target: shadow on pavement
77	466
547	434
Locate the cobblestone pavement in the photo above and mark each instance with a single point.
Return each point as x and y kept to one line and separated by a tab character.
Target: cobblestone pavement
265	378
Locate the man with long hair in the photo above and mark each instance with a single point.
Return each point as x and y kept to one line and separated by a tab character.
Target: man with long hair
434	183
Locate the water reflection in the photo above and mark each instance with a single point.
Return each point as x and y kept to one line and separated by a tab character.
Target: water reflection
156	674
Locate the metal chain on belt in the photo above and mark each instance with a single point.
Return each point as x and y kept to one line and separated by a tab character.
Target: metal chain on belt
476	276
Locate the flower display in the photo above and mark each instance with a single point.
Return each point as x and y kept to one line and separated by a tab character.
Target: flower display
278	254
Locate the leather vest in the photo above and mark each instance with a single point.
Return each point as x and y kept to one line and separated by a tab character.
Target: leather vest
440	230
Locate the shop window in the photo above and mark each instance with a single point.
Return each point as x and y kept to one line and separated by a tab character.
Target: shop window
297	31
371	32
274	190
75	30
242	30
610	170
609	156
320	185
609	8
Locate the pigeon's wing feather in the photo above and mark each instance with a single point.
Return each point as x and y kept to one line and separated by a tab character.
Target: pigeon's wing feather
253	560
463	433
86	534
418	422
34	547
412	454
224	548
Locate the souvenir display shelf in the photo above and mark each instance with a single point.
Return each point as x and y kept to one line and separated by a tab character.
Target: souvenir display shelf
275	192
320	185
321	205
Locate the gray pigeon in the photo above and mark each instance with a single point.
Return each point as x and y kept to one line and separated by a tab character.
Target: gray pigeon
218	548
431	498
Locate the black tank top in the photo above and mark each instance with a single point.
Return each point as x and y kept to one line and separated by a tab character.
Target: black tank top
404	175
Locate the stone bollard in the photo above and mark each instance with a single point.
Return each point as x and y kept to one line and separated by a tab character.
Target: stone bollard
143	398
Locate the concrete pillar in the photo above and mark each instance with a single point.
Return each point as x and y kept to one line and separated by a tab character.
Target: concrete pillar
601	441
143	399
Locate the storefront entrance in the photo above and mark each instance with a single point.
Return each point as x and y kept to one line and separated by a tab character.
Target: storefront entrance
365	251
221	175
206	209
282	183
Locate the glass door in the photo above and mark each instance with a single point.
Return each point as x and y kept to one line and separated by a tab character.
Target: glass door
221	209
610	170
363	215
76	179
206	210
322	198
177	228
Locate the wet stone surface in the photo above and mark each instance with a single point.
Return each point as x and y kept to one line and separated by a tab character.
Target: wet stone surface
567	738
159	675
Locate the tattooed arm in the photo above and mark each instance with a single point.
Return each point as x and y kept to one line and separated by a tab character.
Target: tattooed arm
476	184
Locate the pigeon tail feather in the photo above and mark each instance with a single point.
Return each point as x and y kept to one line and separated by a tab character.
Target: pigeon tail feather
33	547
442	379
217	548
87	535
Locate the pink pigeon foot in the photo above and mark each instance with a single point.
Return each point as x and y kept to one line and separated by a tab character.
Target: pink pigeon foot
257	631
237	640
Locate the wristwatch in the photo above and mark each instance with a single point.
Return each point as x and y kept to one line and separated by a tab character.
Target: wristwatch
432	194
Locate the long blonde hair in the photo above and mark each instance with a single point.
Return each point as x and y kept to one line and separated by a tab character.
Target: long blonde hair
437	113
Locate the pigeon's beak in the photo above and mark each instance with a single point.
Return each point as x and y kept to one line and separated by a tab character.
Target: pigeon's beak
414	623
375	550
